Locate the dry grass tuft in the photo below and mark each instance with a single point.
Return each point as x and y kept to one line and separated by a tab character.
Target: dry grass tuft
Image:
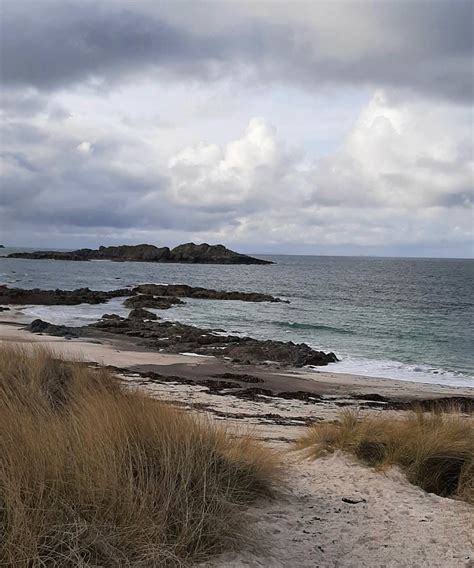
436	450
92	475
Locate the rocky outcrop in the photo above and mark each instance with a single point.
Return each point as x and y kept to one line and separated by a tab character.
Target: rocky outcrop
211	254
40	326
150	301
176	337
185	291
57	297
187	253
154	296
173	337
141	314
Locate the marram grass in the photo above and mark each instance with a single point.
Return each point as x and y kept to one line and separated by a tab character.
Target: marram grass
435	449
93	475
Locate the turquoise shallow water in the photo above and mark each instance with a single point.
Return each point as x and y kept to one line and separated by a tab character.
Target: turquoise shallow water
398	318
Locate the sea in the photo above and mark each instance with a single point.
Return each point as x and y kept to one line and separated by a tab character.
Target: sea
400	318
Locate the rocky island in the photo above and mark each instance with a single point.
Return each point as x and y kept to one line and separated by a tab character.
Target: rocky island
188	253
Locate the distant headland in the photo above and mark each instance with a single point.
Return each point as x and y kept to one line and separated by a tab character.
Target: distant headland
189	253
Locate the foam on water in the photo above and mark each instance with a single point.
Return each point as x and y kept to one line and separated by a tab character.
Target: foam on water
78	315
398	370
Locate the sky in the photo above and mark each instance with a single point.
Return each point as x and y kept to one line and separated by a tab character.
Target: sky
338	127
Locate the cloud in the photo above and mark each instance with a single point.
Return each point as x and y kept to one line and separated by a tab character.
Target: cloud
398	45
399	176
248	169
140	120
392	180
85	147
66	184
406	156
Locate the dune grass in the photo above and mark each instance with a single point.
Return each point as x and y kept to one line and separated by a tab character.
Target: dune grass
94	475
435	449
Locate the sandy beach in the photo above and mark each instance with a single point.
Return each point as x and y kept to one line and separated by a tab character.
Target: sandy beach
332	512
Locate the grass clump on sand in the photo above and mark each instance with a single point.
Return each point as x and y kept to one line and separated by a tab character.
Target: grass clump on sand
94	475
435	449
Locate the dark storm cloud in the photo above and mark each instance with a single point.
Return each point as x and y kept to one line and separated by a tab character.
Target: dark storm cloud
80	191
54	44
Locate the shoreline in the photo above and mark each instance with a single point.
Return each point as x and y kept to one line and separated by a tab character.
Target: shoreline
16	315
122	352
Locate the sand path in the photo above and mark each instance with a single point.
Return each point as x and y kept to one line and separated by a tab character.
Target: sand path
393	524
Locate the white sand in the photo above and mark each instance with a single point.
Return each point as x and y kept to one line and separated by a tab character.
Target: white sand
395	524
101	353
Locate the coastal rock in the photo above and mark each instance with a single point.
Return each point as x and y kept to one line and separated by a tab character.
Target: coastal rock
40	326
157	296
3	309
141	314
293	354
185	291
175	337
211	254
186	253
20	296
150	301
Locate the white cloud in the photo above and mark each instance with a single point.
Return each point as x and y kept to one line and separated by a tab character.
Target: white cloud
406	155
85	147
250	168
403	174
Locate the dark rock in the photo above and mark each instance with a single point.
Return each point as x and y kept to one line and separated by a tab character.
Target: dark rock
296	355
353	500
141	314
40	326
185	291
176	337
111	317
3	309
150	301
186	253
211	254
57	297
